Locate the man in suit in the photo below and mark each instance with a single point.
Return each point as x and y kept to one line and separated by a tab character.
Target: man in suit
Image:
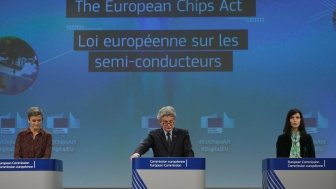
167	141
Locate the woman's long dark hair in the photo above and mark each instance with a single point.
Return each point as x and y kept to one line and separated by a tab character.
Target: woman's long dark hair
288	128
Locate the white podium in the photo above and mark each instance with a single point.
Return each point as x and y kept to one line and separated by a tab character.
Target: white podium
31	173
299	173
168	173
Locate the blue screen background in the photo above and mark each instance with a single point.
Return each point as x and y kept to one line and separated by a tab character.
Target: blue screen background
290	62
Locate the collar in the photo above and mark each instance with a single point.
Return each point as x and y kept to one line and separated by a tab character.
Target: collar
171	132
27	130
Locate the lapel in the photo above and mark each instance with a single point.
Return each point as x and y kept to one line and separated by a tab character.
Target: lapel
174	138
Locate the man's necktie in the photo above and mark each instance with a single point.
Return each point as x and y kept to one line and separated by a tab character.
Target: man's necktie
169	141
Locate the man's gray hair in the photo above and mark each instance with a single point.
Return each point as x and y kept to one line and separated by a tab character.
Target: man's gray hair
166	111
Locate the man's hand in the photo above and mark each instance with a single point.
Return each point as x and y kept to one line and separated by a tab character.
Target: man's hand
135	155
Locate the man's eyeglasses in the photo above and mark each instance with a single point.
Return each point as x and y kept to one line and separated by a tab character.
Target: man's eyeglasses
165	123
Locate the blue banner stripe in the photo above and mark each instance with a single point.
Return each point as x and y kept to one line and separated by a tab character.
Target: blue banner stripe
273	181
137	181
31	165
169	163
299	164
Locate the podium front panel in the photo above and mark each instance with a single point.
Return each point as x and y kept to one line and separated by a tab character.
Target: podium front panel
168	173
31	173
299	173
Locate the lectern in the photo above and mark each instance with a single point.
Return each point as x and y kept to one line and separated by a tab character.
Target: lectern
168	173
299	173
31	173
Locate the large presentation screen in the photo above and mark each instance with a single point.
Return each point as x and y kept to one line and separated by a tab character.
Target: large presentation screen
101	70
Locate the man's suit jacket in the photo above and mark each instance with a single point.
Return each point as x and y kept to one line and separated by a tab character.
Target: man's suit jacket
156	139
284	145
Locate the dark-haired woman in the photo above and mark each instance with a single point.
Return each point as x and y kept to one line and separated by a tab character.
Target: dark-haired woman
295	142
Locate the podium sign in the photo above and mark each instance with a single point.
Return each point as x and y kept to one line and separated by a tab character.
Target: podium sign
168	173
299	173
31	173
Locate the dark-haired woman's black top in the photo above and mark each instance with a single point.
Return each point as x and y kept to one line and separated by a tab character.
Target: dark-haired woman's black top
284	145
